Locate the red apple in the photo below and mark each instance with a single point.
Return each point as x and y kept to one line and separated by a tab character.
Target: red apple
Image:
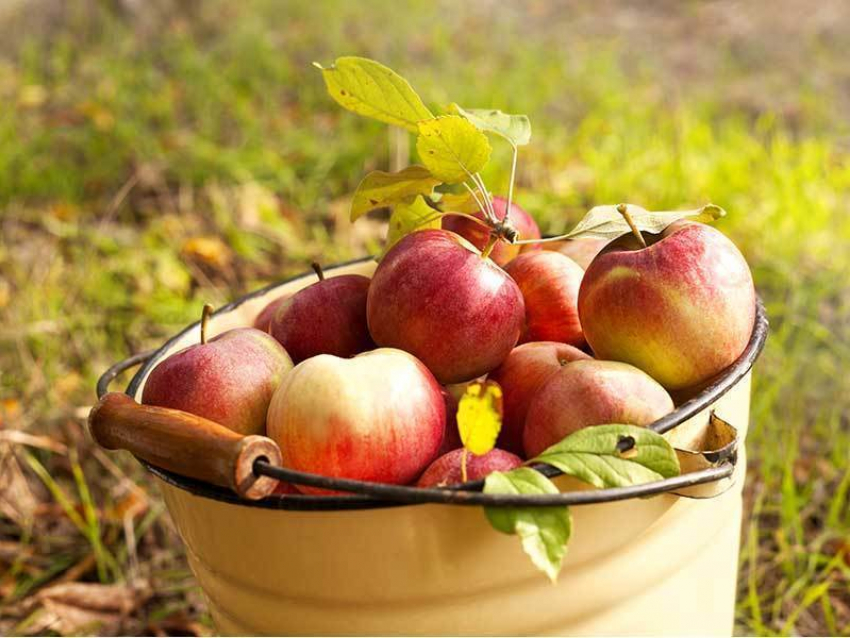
681	309
379	416
263	320
549	282
327	317
478	235
451	440
229	379
592	392
524	371
446	470
581	251
283	488
436	297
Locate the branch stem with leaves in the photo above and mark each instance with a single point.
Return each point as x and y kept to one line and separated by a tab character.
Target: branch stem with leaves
478	200
507	217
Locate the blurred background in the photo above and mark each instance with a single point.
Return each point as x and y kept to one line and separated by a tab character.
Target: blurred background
155	155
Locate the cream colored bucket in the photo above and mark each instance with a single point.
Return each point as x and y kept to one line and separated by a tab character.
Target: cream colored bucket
660	565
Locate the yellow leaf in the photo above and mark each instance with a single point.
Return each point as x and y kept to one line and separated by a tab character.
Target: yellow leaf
369	88
459	203
32	95
452	148
209	250
409	218
380	189
479	416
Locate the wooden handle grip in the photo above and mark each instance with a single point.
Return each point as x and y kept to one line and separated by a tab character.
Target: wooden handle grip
184	443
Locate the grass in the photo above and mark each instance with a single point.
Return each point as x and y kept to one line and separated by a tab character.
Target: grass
152	159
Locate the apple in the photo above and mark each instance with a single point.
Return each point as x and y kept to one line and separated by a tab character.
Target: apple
682	309
581	251
283	488
379	416
436	297
591	392
263	320
327	317
521	374
229	379
478	235
446	470
451	440
549	282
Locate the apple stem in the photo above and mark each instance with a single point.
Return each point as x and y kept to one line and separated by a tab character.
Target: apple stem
623	209
491	243
317	268
484	210
544	240
205	317
510	187
463	474
487	198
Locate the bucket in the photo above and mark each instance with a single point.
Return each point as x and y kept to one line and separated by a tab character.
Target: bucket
664	564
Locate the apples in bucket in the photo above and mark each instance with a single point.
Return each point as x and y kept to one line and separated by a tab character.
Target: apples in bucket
563	366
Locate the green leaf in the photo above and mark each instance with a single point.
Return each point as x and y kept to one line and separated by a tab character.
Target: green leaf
407	218
514	128
369	88
606	222
479	416
452	148
379	189
591	455
544	531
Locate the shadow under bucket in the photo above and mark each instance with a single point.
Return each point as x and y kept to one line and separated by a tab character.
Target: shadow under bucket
367	565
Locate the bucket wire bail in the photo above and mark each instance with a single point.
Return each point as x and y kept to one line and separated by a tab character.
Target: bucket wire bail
355	494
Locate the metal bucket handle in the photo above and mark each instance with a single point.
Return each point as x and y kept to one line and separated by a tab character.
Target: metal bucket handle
365	494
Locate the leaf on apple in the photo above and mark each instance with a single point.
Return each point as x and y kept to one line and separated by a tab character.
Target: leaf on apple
458	203
380	189
369	88
591	455
407	218
452	148
606	222
544	531
479	416
514	128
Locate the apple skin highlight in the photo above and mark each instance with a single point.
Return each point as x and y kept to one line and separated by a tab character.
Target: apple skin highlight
435	296
681	309
379	416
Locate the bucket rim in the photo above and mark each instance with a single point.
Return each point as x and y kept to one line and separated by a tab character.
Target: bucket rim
306	502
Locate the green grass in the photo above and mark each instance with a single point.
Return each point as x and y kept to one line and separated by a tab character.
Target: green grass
124	136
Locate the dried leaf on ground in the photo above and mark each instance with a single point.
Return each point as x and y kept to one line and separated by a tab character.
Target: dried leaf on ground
122	599
72	608
68	620
178	624
211	251
18	501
